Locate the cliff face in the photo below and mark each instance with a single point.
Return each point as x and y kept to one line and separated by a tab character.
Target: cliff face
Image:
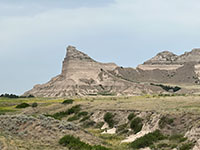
81	75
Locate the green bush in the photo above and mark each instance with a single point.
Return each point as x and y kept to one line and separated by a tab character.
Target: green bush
108	118
85	118
167	88
187	146
34	105
147	140
136	125
68	101
162	145
59	115
121	128
88	124
165	121
73	118
178	138
74	109
73	143
83	113
23	105
131	116
99	125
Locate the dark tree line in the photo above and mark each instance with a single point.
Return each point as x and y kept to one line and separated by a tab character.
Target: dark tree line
15	96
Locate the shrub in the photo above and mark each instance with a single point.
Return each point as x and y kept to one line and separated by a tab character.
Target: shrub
88	124
122	128
73	143
85	118
59	115
73	118
68	101
99	125
162	145
74	109
178	138
147	140
30	96
187	146
108	118
34	105
131	116
167	88
23	105
83	113
165	121
136	125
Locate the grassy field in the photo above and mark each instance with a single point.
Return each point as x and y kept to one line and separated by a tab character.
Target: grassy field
161	104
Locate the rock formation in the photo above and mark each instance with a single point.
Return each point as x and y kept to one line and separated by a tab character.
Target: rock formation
166	67
81	75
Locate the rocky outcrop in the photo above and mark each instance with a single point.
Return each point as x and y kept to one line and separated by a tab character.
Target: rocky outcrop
164	57
81	75
166	67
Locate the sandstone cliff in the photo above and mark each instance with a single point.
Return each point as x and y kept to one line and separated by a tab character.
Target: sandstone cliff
81	75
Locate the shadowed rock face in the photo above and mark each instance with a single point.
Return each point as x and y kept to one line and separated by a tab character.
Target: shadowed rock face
81	75
166	67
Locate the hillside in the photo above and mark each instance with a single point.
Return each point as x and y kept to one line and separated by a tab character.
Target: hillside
116	123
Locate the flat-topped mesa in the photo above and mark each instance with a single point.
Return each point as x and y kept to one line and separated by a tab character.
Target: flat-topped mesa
164	57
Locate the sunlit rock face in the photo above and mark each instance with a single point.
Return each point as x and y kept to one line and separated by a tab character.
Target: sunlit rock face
82	76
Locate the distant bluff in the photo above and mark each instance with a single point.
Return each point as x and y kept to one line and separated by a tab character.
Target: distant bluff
83	76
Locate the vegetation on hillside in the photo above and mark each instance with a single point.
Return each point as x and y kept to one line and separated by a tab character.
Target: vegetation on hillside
108	118
167	88
76	144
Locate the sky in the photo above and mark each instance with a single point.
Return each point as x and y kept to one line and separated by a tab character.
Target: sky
34	34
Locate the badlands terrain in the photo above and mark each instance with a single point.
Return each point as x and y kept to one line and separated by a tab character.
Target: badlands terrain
102	106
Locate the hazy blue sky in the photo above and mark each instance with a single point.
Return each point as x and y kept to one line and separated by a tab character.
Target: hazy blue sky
35	33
